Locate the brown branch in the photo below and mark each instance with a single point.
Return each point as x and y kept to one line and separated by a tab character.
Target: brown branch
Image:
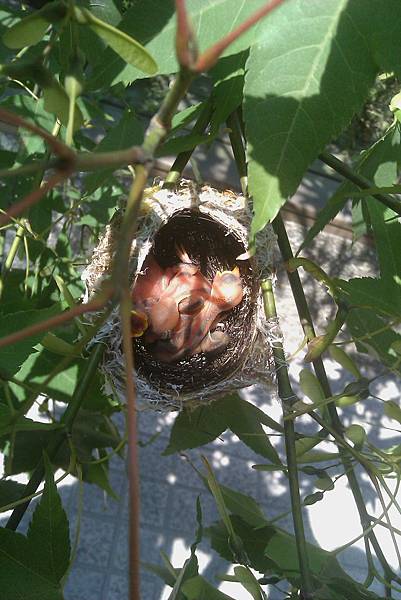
34	197
97	304
57	146
211	55
185	42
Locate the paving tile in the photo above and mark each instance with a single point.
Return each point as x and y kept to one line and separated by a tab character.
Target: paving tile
181	517
117	588
97	501
153	464
151	542
95	541
153	500
84	584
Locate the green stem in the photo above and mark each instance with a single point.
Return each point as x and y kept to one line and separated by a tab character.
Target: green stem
182	159
233	123
8	263
288	398
362	182
307	325
67	419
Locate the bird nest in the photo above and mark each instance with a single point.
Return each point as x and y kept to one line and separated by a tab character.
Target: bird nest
213	228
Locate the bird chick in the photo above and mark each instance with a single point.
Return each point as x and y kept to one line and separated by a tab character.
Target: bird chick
186	281
194	330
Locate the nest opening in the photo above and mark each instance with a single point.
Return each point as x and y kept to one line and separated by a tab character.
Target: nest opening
213	247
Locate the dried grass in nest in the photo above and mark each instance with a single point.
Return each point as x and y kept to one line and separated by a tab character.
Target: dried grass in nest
213	228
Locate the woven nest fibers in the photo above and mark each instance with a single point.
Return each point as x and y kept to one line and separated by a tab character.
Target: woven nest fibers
212	227
212	248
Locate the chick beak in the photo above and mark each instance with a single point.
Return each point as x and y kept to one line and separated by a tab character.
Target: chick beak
139	323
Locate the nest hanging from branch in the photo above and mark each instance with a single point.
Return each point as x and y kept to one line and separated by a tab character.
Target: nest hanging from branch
212	227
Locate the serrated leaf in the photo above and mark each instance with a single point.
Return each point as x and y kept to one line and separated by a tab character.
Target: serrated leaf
295	100
127	132
343	359
48	532
376	164
31	567
10	491
13	356
8	423
194	428
387	235
245	420
124	45
383	296
244	506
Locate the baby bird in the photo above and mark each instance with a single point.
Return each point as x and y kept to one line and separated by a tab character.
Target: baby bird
186	281
148	287
194	331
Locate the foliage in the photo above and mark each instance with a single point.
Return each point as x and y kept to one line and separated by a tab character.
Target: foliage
72	123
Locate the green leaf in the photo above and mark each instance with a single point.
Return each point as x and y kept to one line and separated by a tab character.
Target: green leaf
304	81
128	132
387	233
193	428
324	483
244	506
8	425
31	567
311	499
392	410
245	420
31	29
376	164
254	542
182	143
356	434
343	359
378	336
211	21
56	101
13	356
198	588
40	363
48	532
310	386
249	582
125	46
20	577
380	295
10	491
228	77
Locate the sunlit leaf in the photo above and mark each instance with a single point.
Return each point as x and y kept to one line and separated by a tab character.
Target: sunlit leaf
31	29
124	45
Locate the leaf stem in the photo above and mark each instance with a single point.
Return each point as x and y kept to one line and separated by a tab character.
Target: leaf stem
288	398
308	328
182	159
362	182
233	123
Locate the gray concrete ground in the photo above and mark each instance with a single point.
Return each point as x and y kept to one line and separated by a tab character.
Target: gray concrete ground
169	486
